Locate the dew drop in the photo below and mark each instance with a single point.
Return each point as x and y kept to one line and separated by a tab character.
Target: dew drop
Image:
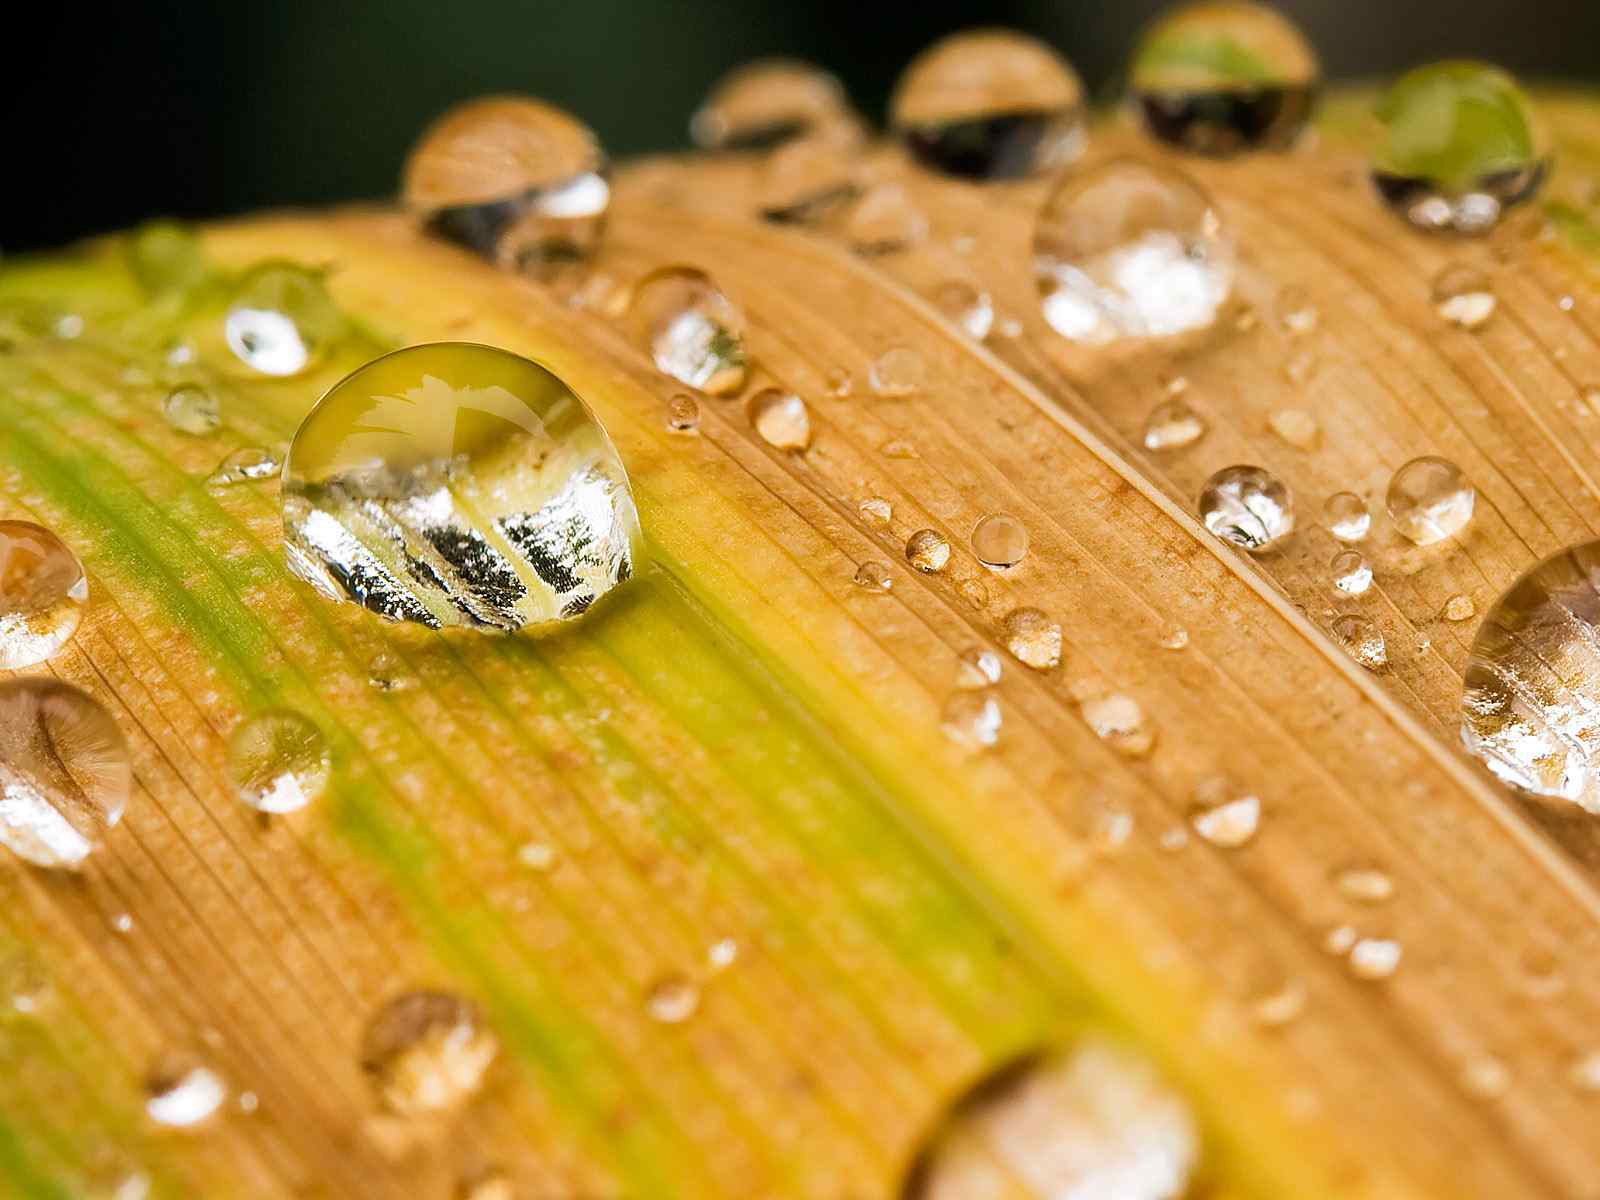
1033	639
899	448
968	308
672	999
927	551
1351	574
1486	1078
1374	958
1296	313
977	667
487	1185
883	220
24	986
989	104
181	1092
1174	637
192	409
1585	1072
1429	499
722	954
838	383
805	181
64	772
1172	425
1361	640
43	594
426	1052
873	576
692	332
536	856
1339	940
1225	818
876	511
683	414
1220	78
1459	608
1347	517
454	484
971	719
1120	721
1130	249
1364	885
772	101
898	371
281	320
1296	427
1000	540
166	259
245	465
1464	296
781	418
1248	507
279	761
1280	1006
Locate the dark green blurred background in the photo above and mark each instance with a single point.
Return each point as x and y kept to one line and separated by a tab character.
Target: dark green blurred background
199	109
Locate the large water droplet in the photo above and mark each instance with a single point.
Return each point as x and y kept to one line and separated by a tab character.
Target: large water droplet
181	1092
279	761
927	551
1361	640
1248	507
1459	608
692	332
971	719
1130	249
453	484
765	103
989	104
1461	143
1429	499
979	667
1033	638
192	409
519	181
281	320
1000	540
64	772
43	594
1347	517
426	1052
1172	425
1218	78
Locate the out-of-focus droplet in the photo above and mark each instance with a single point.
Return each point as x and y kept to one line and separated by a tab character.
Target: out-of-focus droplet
1295	311
1346	516
927	551
426	1052
1464	296
1033	638
691	331
517	180
1364	885
722	954
1461	143
1339	939
898	371
1172	425
971	719
536	856
245	465
192	409
1225	816
1429	499
989	104
1130	249
899	448
1585	1072
1222	76
979	667
672	999
1089	1123
1174	637
281	320
1361	640
876	512
166	259
804	181
781	418
1350	572
1459	608
1248	507
43	594
885	219
1296	427
683	414
1000	540
1120	721
1486	1078
1302	365
279	761
874	576
766	103
1279	1006
458	485
1374	958
181	1092
487	1185
65	774
969	308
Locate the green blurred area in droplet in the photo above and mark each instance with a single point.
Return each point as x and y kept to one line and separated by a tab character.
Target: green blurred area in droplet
165	257
1455	123
1191	50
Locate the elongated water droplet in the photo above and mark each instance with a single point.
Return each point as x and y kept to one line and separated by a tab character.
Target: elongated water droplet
1296	427
978	667
781	418
690	329
970	309
673	999
1172	425
1225	817
1000	540
1361	640
245	465
1374	958
279	761
874	576
426	1052
1429	499
899	448
989	104
1033	638
971	719
1221	77
885	219
43	594
192	409
1346	516
1248	507
1364	885
281	320
517	180
454	484
1464	296
683	414
1130	249
1120	721
927	551
771	101
181	1092
898	371
1351	574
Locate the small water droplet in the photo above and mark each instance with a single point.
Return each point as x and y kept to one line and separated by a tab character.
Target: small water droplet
1174	637
683	414
1223	78
1361	640
536	856
1347	517
386	673
978	667
1339	940
873	576
24	985
927	551
281	320
838	383
1130	249
1585	1072
971	719
43	594
672	999
1120	721
1033	638
1364	885
876	511
1000	540
1296	313
1280	1006
279	761
122	923
1459	608
426	1052
883	220
722	954
1225	817
245	465
192	409
1173	424
1429	499
166	259
64	771
180	1092
968	308
781	418
1302	365
1374	958
1351	574
897	372
1296	427
249	1102
693	332
899	448
1486	1078
773	101
989	104
1248	507
1464	296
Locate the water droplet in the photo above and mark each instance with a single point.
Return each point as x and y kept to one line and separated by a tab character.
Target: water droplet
1429	499
487	1185
1585	1073
1589	396
1296	427
968	308
1033	638
971	719
781	418
1120	721
927	551
838	383
1280	1006
692	331
1247	507
804	181
24	985
978	667
1346	516
722	954
64	772
426	1052
1000	540
1130	249
245	465
1093	1121
896	372
279	761
1361	640
1459	608
884	219
1302	365
876	512
1486	1078
181	1092
454	484
122	923
1339	940
281	320
192	409
873	576
166	259
1174	637
989	104
899	448
683	414
1172	425
1461	143
1225	818
672	999
68	326
536	856
1351	574
518	181
1464	296
769	102
1296	313
1364	885
43	594
1374	958
1220	78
